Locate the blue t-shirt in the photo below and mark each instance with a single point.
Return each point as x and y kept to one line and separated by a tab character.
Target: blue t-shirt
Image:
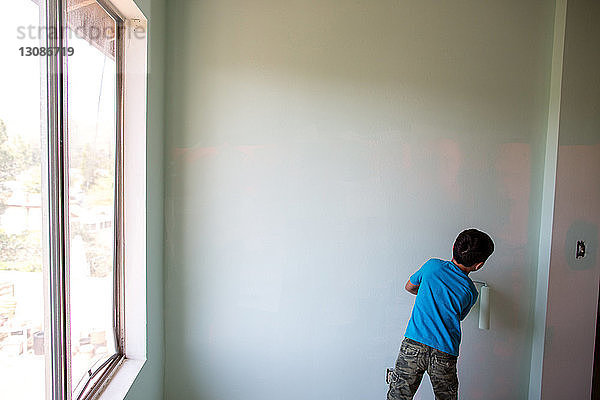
446	294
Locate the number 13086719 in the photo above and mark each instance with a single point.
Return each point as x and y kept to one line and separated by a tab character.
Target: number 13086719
46	51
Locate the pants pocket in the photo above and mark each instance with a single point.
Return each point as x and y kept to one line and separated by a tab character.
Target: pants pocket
443	375
409	349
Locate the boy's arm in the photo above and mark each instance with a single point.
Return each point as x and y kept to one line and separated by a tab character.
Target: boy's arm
466	311
411	287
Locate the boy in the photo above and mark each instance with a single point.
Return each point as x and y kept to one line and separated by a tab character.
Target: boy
445	294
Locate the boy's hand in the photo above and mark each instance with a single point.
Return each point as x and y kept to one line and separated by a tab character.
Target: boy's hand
411	288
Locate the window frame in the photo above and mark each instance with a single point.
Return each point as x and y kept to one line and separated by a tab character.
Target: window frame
129	318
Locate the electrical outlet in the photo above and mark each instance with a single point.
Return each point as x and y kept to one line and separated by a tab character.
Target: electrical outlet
580	253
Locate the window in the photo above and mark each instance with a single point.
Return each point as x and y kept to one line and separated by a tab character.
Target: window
72	193
93	148
22	303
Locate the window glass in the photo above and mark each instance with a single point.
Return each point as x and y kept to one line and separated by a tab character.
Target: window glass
22	264
92	105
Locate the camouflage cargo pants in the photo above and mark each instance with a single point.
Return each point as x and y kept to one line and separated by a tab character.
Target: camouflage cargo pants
414	359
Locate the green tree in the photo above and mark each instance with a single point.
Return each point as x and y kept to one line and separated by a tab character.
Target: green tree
31	180
16	156
89	161
19	164
7	167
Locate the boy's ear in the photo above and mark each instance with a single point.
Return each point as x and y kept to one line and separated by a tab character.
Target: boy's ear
478	265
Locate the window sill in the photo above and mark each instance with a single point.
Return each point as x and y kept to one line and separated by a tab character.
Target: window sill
121	381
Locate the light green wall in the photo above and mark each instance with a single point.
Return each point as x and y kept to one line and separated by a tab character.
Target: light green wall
317	153
149	383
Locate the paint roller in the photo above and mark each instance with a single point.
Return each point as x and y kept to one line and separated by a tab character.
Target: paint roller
484	305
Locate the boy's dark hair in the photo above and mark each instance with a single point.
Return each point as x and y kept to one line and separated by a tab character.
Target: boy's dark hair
472	246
